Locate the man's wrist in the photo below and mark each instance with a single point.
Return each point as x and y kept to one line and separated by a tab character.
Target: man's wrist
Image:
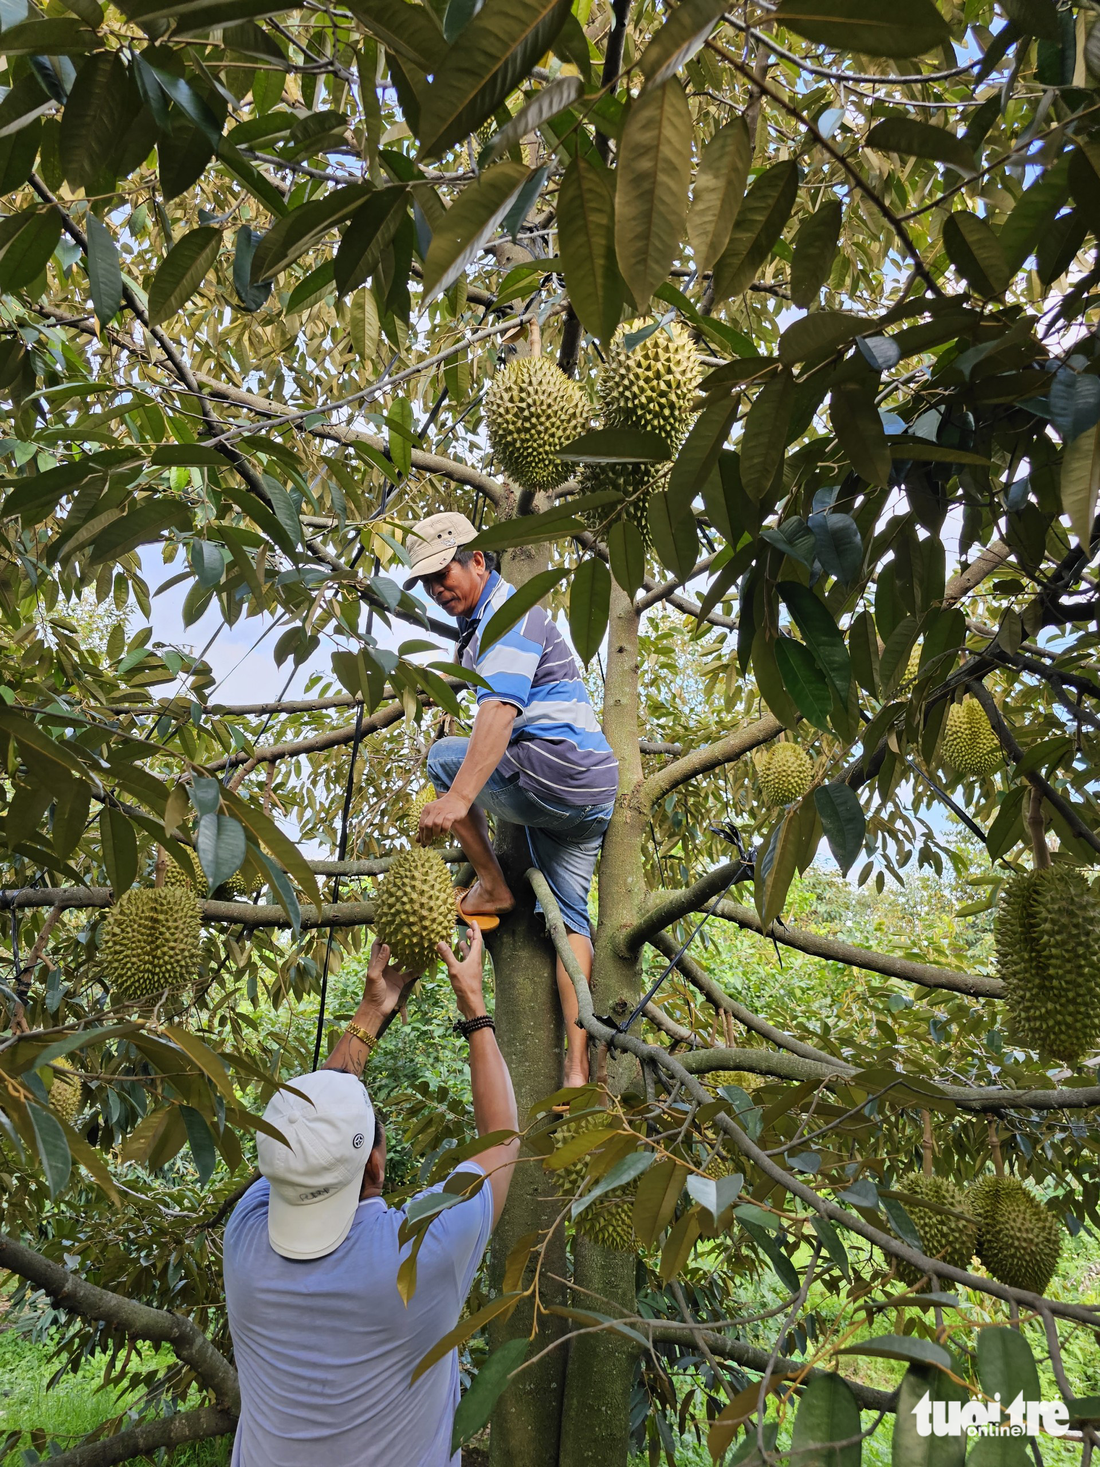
473	1010
370	1017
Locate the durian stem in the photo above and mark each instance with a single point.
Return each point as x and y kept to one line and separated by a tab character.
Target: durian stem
927	1146
995	1147
1037	828
534	337
160	867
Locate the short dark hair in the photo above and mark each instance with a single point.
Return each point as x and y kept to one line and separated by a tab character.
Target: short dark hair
377	1142
465	556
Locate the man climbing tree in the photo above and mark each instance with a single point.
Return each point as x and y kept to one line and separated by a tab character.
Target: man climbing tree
536	757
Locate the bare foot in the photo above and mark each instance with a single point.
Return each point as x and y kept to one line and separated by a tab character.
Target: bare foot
576	1075
487	902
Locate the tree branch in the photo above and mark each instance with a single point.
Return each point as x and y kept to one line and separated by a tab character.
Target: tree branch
666	907
240	914
667	588
701	761
73	1294
149	1437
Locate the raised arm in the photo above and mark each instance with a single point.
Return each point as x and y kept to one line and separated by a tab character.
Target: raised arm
385	987
488	741
494	1101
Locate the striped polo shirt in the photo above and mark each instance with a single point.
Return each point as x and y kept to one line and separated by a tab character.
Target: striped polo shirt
557	746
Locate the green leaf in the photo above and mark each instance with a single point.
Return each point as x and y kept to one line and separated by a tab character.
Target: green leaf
859	430
201	1141
830	1240
1006	1365
120	854
266	833
53	1149
804	680
517	606
586	238
373	227
921	140
827	1413
490	1383
677	41
1034	18
698	457
766	208
626	551
716	1195
719	189
821	633
621	1174
139	526
220	845
104	270
842	820
252	297
24	103
815	247
674	536
818	334
873	27
901	1347
910	1448
616	446
999	1451
60	37
470	223
589	607
765	437
656	1198
94	116
837	545
538	109
976	252
1080	482
489	59
302	229
183	270
651	196
411	31
776	871
27	240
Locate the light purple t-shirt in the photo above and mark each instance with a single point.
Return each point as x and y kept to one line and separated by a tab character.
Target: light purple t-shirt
325	1349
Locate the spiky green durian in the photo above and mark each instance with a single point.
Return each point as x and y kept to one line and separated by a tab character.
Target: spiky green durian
609	1220
950	1239
1047	935
414	907
422	797
785	772
66	1091
650	388
969	744
531	410
1018	1239
149	944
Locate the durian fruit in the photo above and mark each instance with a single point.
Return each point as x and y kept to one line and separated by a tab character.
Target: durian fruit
420	799
950	1239
65	1092
150	942
414	907
785	772
609	1220
1047	935
651	389
969	744
1018	1239
531	410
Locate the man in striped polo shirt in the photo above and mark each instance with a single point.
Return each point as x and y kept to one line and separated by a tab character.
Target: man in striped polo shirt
536	756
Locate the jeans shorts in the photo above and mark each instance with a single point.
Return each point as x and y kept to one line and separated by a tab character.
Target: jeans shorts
564	840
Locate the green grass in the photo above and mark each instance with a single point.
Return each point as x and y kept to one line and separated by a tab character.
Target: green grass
67	1411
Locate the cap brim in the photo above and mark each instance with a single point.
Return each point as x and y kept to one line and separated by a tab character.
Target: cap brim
430	566
309	1231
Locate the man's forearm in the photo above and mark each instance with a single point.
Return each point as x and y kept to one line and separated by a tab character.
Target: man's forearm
352	1052
488	741
491	1085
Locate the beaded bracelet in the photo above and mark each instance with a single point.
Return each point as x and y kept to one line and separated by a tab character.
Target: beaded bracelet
466	1027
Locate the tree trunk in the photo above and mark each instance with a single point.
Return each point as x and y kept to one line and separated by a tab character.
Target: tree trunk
596	1421
526	1422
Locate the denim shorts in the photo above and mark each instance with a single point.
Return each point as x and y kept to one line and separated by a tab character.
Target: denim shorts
564	839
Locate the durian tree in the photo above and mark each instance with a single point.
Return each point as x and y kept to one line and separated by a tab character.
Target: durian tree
763	344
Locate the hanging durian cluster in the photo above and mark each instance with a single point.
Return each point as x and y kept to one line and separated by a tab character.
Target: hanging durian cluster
149	943
531	410
66	1091
414	908
1047	935
195	880
609	1220
951	1239
785	772
649	388
969	744
422	797
1018	1239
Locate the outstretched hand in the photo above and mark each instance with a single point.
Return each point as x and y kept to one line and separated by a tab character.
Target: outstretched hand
465	972
385	980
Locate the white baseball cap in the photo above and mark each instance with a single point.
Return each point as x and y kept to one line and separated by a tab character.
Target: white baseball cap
432	543
315	1179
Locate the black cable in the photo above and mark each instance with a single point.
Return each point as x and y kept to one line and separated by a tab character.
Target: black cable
343	850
